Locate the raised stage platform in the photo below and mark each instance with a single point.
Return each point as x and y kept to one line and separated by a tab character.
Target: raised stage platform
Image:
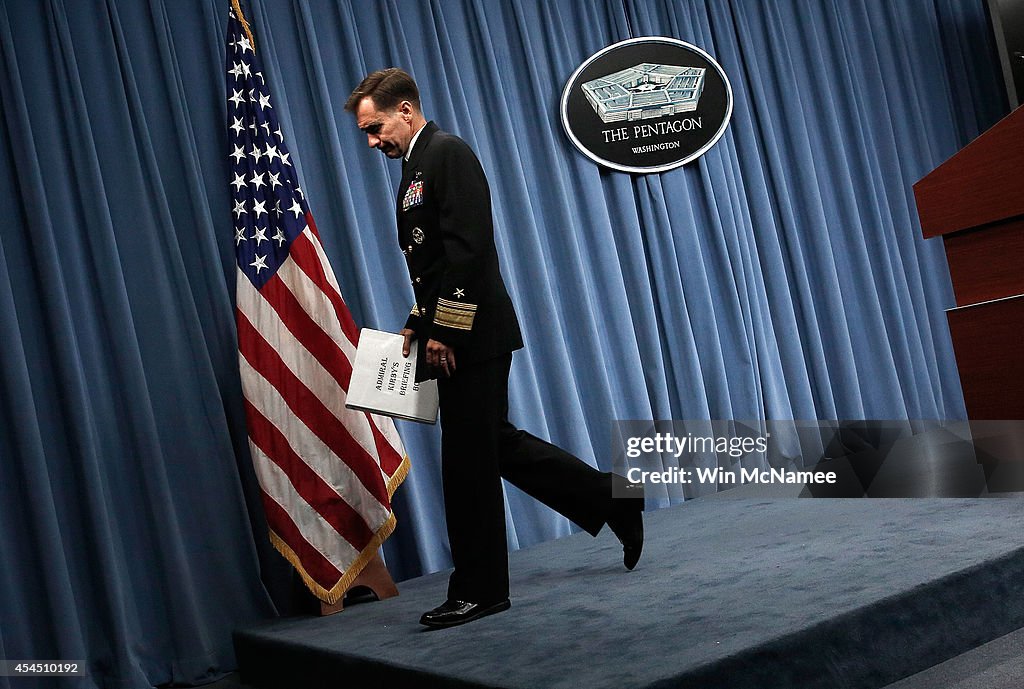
732	592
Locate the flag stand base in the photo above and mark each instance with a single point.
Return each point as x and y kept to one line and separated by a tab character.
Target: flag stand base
375	576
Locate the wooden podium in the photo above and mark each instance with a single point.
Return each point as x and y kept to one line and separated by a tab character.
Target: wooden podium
975	202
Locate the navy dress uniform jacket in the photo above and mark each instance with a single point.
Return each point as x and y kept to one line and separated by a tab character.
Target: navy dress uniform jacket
447	235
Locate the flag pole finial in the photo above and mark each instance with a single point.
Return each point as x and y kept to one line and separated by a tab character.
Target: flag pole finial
245	24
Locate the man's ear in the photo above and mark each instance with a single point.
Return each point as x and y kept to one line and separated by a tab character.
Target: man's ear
405	107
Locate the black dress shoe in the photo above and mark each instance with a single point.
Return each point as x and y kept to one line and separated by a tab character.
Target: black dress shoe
454	612
627	523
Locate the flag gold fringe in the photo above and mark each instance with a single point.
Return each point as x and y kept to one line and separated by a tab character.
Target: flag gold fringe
396	479
336	593
245	24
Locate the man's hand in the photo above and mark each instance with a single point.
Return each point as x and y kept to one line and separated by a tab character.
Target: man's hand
441	356
409	335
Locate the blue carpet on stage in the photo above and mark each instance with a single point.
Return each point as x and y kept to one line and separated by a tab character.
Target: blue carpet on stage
731	592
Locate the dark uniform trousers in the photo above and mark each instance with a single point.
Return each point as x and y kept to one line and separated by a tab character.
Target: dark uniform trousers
479	447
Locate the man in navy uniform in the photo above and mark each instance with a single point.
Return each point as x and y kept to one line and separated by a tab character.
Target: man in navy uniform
465	329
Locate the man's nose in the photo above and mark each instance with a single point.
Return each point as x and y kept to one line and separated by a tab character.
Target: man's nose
372	141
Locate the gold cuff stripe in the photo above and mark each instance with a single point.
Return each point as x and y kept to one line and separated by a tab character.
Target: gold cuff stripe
458	316
456	305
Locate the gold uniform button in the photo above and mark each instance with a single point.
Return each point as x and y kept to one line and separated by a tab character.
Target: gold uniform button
417	281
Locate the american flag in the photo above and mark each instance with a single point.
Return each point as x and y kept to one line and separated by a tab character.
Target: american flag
327	473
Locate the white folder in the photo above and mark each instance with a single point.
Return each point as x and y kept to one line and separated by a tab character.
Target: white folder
384	382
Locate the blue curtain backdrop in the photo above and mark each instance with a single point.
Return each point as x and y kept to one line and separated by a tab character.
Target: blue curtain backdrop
782	275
